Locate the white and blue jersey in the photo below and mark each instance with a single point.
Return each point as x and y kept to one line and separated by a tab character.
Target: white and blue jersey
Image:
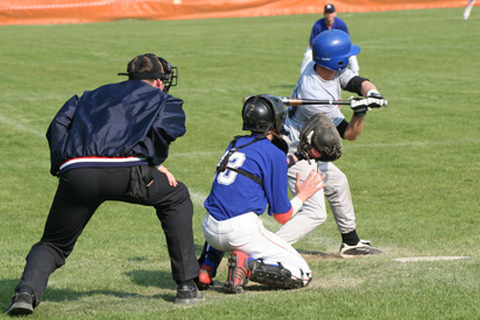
234	194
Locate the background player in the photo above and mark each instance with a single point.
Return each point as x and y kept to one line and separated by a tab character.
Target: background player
252	174
468	9
330	21
324	79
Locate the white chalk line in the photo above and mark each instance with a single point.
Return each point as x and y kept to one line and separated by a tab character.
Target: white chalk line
197	197
434	258
350	146
412	143
20	127
196	154
24	128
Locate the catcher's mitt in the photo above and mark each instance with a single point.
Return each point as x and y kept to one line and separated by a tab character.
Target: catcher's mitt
320	140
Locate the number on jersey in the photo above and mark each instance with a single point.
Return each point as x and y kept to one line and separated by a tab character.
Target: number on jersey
235	161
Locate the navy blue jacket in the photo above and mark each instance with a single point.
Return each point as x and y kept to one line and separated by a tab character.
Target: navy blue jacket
121	124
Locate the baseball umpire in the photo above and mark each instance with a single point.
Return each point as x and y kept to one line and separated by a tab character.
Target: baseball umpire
109	144
324	79
251	174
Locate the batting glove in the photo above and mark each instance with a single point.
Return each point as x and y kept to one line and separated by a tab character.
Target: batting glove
359	106
375	99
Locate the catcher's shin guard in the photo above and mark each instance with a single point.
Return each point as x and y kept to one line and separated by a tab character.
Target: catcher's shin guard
209	261
210	257
275	276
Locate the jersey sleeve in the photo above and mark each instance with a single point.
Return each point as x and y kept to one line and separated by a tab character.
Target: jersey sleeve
168	126
316	29
341	25
58	131
283	218
344	77
313	34
275	183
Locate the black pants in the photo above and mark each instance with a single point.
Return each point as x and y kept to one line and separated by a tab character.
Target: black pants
80	192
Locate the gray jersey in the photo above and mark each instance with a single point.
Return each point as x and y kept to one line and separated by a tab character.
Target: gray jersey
311	86
337	190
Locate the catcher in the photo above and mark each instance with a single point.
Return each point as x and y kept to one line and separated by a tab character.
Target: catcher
252	174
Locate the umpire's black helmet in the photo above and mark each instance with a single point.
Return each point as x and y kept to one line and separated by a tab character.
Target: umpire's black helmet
262	112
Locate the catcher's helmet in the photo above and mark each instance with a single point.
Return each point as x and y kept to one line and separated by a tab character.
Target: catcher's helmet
262	112
332	48
146	67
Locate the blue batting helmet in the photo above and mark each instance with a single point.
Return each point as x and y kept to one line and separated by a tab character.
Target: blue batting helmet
332	48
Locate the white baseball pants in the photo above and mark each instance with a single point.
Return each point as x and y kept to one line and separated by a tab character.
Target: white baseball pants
246	233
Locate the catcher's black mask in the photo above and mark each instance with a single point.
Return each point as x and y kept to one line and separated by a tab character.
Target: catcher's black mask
262	112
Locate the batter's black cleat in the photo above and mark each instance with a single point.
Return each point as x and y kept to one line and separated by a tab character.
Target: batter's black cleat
22	303
363	247
188	293
238	272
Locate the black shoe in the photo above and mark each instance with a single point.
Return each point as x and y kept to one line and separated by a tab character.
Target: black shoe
188	294
22	303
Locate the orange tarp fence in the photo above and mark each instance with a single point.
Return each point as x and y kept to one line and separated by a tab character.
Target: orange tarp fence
83	11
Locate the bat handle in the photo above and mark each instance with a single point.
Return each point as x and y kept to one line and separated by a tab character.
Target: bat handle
285	100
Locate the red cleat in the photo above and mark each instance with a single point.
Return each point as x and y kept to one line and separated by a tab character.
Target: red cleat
238	272
205	278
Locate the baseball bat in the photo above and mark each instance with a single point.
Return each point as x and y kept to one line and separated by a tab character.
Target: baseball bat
298	102
351	102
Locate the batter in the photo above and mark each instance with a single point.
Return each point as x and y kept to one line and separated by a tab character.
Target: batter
324	79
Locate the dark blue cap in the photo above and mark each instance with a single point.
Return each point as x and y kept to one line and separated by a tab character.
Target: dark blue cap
329	8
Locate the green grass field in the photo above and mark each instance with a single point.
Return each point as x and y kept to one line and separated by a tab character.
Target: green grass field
414	171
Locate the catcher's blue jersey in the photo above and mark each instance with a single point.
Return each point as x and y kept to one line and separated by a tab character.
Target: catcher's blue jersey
234	194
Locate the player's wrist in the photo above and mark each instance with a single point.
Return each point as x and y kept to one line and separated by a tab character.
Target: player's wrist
297	155
297	204
373	93
292	159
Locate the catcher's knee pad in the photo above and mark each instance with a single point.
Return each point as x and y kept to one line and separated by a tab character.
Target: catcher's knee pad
274	276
